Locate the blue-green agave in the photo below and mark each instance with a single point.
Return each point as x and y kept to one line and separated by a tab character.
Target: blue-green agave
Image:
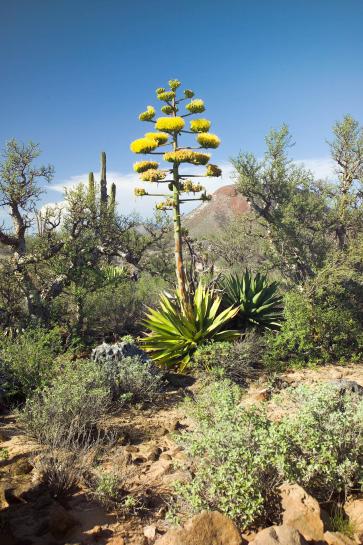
257	300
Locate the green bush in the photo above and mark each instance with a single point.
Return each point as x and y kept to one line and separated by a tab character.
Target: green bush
70	408
27	362
132	379
324	321
117	310
241	457
238	361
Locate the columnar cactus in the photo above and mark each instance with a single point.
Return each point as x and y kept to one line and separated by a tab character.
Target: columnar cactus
168	130
107	202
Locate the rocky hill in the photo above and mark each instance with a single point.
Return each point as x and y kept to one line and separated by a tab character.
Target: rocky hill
226	204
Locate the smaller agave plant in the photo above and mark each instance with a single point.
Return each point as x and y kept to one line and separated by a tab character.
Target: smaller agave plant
257	300
174	335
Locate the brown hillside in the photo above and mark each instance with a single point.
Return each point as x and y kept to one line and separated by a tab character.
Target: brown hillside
225	205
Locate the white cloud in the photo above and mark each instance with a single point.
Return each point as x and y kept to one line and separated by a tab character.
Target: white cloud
322	167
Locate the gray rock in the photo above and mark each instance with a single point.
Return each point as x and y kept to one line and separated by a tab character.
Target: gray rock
348	386
116	352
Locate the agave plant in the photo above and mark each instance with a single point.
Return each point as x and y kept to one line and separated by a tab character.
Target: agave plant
175	335
256	298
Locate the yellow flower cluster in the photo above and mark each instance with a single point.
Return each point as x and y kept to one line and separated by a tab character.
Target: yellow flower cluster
170	124
196	106
189	187
152	175
187	156
160	137
141	166
207	140
200	125
167	96
214	171
143	145
167	109
174	84
188	93
139	192
148	115
164	205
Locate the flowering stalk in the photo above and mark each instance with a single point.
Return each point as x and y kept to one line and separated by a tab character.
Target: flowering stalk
168	129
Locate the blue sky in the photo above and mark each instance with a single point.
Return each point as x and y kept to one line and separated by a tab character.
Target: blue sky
76	73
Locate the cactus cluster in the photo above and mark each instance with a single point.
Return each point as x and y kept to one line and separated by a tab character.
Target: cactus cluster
107	202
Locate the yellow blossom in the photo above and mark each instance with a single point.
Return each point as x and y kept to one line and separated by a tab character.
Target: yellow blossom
141	166
174	84
196	106
148	115
189	187
167	109
214	171
160	137
188	93
207	140
152	175
187	156
200	125
167	96
170	124
139	192
143	145
165	205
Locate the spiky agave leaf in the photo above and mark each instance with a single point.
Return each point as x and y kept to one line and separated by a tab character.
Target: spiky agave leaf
174	336
259	303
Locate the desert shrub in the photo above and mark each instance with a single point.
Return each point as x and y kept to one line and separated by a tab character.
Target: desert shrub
107	488
128	372
322	438
324	321
70	408
27	362
116	310
316	332
132	379
241	456
238	361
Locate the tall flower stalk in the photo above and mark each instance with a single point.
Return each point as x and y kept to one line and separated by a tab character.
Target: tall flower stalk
168	131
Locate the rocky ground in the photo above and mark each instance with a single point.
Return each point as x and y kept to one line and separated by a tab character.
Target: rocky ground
150	462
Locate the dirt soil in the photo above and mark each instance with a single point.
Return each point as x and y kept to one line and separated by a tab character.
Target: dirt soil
144	453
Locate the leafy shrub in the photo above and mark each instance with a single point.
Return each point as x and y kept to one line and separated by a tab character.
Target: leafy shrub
324	322
117	310
27	361
132	379
237	361
259	304
241	457
70	407
175	336
107	488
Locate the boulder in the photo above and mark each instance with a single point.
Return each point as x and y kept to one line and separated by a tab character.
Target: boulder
336	538
279	535
206	528
116	352
354	511
302	512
